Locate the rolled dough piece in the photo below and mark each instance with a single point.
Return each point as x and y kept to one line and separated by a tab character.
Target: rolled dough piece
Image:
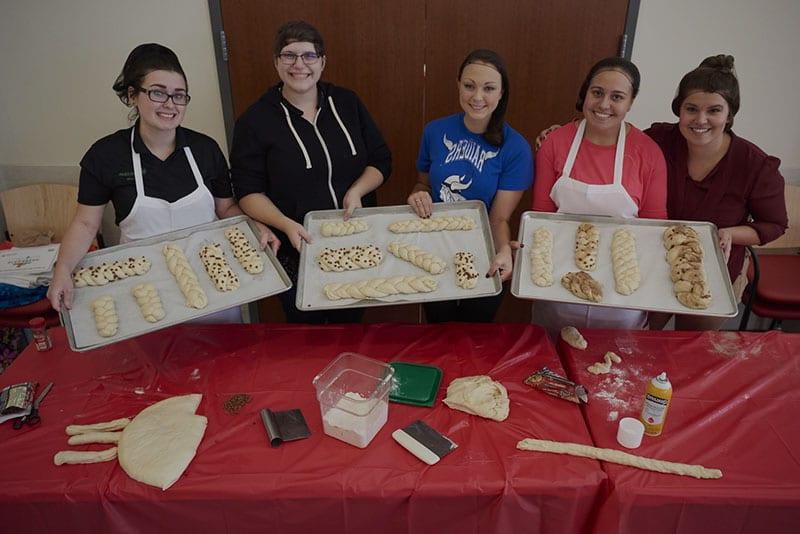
95	437
601	368
84	457
582	285
618	457
478	395
573	338
116	424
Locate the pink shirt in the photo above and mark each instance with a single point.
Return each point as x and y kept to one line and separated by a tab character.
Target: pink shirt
644	173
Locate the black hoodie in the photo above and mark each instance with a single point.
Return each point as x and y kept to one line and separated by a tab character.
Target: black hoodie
302	167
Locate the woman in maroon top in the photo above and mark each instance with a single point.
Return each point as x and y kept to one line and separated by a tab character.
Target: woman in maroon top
714	175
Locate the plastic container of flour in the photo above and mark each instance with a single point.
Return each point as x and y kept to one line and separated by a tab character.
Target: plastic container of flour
353	395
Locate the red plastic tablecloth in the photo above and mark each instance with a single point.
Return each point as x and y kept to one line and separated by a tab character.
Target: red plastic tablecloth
237	483
735	407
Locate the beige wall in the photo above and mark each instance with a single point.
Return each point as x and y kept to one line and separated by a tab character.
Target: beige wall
672	37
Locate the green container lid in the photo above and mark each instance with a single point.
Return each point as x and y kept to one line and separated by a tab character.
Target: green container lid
415	383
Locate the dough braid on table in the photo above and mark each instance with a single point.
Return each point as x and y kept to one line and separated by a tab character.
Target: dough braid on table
377	288
542	257
583	286
625	263
217	268
434	224
685	257
100	275
587	240
178	265
466	274
149	302
248	257
349	258
105	316
340	228
417	256
601	368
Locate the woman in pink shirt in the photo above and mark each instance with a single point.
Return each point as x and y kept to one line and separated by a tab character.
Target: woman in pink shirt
600	166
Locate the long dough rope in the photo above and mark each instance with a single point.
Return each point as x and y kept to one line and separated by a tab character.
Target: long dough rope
217	268
434	224
187	280
583	286
94	437
417	256
105	316
340	228
349	258
627	276
587	240
685	257
100	275
377	288
116	424
466	274
542	257
248	257
84	457
149	302
618	457
601	368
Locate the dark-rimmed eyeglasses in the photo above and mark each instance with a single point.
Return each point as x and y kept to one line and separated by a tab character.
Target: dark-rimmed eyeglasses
159	96
288	58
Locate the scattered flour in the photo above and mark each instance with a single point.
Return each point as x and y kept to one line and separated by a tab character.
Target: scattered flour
612	416
734	345
355	419
621	389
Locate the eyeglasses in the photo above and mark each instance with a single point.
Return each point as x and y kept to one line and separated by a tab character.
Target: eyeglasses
158	96
309	58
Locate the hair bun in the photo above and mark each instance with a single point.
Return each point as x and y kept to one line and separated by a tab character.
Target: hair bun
720	62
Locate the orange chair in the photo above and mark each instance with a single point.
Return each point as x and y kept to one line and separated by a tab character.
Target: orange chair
774	288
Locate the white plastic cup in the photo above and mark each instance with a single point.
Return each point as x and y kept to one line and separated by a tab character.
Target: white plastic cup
630	432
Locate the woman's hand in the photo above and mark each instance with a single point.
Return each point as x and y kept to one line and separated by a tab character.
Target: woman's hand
296	233
422	203
503	264
266	238
352	200
725	242
537	144
60	290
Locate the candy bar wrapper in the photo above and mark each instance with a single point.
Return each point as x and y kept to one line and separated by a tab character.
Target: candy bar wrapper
558	386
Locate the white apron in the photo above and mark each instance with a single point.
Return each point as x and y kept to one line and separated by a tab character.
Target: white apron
151	216
573	196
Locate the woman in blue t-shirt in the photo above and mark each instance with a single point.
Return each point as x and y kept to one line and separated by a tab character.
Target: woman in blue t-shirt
475	155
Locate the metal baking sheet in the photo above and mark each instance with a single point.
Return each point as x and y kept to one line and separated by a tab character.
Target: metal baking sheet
79	321
311	279
655	292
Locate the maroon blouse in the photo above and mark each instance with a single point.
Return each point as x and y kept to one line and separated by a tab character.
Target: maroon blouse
745	188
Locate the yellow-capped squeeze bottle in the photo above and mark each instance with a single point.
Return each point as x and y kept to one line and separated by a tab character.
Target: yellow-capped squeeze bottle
656	402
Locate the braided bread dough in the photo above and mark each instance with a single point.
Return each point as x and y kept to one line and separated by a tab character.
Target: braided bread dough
105	316
685	257
377	288
417	256
149	302
587	239
583	286
618	457
434	224
100	275
542	257
573	338
627	276
217	268
340	228
601	368
244	252
349	258
178	265
466	274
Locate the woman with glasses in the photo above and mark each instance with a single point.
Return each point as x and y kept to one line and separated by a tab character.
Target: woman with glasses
305	145
159	176
475	155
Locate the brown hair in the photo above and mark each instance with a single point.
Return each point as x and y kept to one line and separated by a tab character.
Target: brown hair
610	63
715	74
298	31
494	130
143	60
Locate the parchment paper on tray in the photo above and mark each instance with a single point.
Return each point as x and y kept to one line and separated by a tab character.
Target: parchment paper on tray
79	321
444	244
655	292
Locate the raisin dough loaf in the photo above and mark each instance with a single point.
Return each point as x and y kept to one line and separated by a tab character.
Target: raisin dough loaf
105	316
466	274
434	224
627	276
583	286
685	257
100	275
542	257
340	228
587	239
349	258
248	257
187	280
217	268
377	288
149	302
415	255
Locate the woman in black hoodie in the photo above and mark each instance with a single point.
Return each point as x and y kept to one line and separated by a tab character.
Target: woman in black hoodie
305	145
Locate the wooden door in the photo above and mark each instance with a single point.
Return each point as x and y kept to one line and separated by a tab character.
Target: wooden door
401	57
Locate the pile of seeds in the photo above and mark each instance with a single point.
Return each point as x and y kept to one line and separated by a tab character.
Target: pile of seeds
236	403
